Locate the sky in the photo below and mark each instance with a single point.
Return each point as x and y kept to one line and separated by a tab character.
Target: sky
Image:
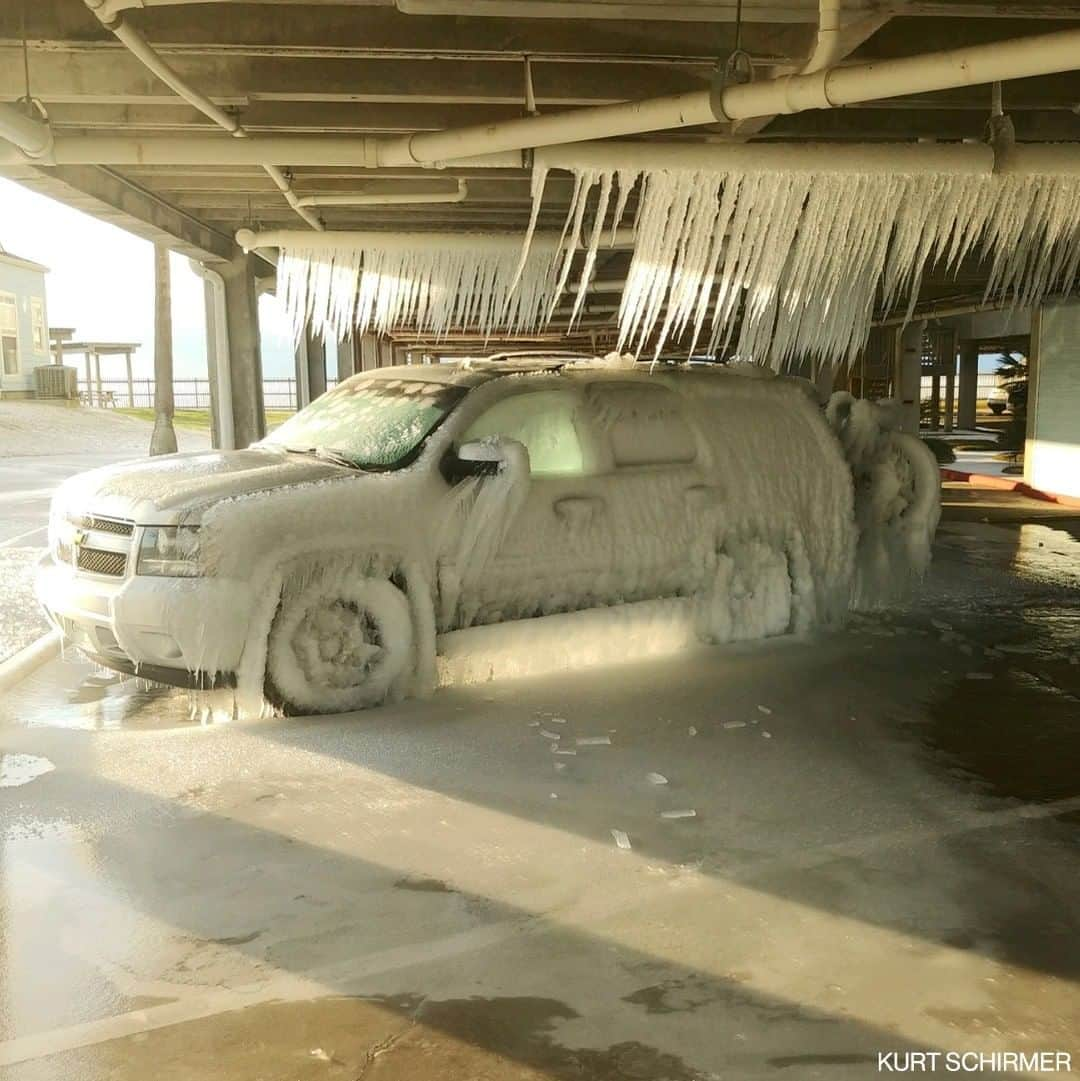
101	282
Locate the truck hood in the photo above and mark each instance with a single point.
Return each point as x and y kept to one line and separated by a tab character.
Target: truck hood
160	491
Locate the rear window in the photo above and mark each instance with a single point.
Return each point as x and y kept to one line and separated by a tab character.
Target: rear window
644	425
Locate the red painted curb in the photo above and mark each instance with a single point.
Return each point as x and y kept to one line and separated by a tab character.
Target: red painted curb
1007	484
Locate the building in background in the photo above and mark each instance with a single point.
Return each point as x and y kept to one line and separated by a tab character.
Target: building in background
24	325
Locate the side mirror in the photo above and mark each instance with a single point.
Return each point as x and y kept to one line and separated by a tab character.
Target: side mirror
475	459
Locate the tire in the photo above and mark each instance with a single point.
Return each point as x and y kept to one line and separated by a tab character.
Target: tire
337	645
996	408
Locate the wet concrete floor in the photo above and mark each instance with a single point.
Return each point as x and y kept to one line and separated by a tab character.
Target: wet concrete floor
883	857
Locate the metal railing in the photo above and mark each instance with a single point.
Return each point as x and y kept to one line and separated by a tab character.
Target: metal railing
278	394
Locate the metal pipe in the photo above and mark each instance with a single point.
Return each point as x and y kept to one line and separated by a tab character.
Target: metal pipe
256	150
387	198
33	137
145	53
350	239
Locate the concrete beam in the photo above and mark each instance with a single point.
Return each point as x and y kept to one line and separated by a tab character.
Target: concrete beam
109	74
106	195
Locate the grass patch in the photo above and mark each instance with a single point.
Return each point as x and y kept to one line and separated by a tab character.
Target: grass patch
198	420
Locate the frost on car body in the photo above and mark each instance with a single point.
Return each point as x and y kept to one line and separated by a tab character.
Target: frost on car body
322	568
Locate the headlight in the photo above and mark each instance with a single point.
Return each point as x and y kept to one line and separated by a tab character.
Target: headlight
170	551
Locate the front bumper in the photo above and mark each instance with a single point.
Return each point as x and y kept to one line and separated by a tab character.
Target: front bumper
151	627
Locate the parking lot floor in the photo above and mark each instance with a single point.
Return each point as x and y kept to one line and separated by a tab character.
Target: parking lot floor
882	856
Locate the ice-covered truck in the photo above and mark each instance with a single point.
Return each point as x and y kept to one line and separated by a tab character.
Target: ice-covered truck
317	569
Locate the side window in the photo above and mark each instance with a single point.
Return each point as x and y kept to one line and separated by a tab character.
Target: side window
644	424
544	420
9	334
38	328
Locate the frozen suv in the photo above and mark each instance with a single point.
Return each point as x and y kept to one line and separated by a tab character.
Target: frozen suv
317	569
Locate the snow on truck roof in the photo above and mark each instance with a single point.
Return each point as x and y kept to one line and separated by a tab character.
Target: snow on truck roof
471	372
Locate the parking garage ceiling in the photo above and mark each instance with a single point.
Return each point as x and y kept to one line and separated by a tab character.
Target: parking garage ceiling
376	68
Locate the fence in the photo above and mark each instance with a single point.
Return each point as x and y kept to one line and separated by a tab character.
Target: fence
278	394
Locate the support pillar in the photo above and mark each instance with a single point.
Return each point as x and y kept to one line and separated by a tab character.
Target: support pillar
907	374
89	379
348	350
300	368
130	382
1052	446
163	437
244	356
950	391
217	359
369	352
386	353
316	366
969	384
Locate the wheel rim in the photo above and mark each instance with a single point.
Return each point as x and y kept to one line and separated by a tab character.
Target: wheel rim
337	644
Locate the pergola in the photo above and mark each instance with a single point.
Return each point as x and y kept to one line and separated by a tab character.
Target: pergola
92	352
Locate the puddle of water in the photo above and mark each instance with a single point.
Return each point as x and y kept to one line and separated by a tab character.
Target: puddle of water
20	769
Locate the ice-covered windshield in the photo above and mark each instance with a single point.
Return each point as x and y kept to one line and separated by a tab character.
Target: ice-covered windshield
370	423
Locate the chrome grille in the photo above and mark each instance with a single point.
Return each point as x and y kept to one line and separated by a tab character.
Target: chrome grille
99	561
119	526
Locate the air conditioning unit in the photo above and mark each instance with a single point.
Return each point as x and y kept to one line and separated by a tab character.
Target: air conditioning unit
55	381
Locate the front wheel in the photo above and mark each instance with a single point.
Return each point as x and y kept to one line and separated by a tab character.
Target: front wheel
336	646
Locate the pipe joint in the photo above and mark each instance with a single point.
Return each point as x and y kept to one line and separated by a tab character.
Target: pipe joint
806	91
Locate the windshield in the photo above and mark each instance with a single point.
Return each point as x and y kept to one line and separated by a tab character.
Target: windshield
370	423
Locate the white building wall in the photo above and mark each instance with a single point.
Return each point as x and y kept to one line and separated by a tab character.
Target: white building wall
1052	455
24	283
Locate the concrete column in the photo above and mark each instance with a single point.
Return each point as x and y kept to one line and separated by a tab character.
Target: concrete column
369	352
89	379
316	365
386	353
1052	449
969	384
935	397
907	374
300	368
950	390
244	358
163	437
348	350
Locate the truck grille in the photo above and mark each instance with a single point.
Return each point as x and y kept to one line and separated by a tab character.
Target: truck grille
99	561
120	526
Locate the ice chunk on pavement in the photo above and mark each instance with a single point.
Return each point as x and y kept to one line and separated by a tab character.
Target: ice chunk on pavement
941	624
765	710
622	840
767	735
656	778
691	731
557	750
594	741
689	812
549	735
556	720
735	724
980	675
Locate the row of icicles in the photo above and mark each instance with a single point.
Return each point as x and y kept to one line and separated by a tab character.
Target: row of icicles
772	265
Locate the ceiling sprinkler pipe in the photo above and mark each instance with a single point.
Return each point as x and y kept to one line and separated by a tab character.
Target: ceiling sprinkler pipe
33	137
386	198
352	239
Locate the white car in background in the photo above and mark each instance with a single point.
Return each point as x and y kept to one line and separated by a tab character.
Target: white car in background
317	569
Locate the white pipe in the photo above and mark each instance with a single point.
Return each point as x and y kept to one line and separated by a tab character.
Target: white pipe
386	198
827	49
145	53
350	239
218	320
31	136
327	150
868	158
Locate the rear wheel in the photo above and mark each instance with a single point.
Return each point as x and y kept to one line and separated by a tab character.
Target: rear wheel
337	646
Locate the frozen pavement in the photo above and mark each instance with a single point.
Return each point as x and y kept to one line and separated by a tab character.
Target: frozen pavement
882	858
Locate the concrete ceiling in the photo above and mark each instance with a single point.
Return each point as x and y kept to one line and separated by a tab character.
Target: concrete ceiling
371	67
